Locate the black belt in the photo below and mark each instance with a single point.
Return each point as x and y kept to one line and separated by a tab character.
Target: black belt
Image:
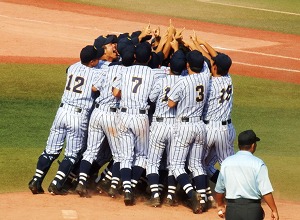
141	111
159	119
111	109
223	122
75	108
243	201
185	119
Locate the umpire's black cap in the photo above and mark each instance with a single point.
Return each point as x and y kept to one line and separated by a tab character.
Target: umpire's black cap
178	62
222	61
247	137
195	60
89	53
102	40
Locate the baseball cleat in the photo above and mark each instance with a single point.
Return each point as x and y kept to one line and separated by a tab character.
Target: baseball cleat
154	202
35	186
82	190
195	203
103	185
53	189
170	202
112	192
128	198
212	204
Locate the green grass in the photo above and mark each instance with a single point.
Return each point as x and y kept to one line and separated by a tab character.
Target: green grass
31	94
227	12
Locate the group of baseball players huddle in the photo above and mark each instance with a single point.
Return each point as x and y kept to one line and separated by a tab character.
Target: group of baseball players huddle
153	109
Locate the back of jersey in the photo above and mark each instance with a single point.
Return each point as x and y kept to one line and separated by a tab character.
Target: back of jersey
136	84
78	89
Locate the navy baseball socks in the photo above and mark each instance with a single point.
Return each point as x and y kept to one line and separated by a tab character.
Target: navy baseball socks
194	197
43	165
200	183
126	180
153	180
65	167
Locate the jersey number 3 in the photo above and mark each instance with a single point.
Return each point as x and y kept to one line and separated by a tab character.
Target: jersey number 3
78	82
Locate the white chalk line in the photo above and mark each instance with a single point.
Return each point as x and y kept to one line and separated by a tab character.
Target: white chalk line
252	8
243	51
267	67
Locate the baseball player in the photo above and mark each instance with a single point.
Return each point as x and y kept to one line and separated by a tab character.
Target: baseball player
135	82
103	123
70	123
161	129
217	110
189	95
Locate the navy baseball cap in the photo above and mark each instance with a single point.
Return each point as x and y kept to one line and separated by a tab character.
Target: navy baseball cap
247	137
143	52
136	34
123	35
102	40
222	61
195	60
115	38
178	62
156	60
123	43
128	55
89	53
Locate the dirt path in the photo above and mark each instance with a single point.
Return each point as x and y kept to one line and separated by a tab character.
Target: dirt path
50	31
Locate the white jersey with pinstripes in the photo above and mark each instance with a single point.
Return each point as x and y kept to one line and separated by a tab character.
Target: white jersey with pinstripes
162	124
191	93
80	79
217	112
71	120
189	135
220	99
135	83
103	120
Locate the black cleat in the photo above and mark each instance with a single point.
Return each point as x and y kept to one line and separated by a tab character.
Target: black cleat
170	202
154	202
194	203
113	192
35	186
82	190
54	190
128	198
103	185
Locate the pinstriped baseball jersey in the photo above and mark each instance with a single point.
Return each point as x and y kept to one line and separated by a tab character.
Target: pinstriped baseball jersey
104	121
159	95
217	112
161	131
103	64
191	93
220	99
135	83
189	136
71	120
78	86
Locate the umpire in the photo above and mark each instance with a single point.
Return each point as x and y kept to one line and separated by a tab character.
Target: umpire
245	179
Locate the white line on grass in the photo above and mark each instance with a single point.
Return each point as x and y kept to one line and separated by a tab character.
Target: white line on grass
259	53
253	8
268	67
